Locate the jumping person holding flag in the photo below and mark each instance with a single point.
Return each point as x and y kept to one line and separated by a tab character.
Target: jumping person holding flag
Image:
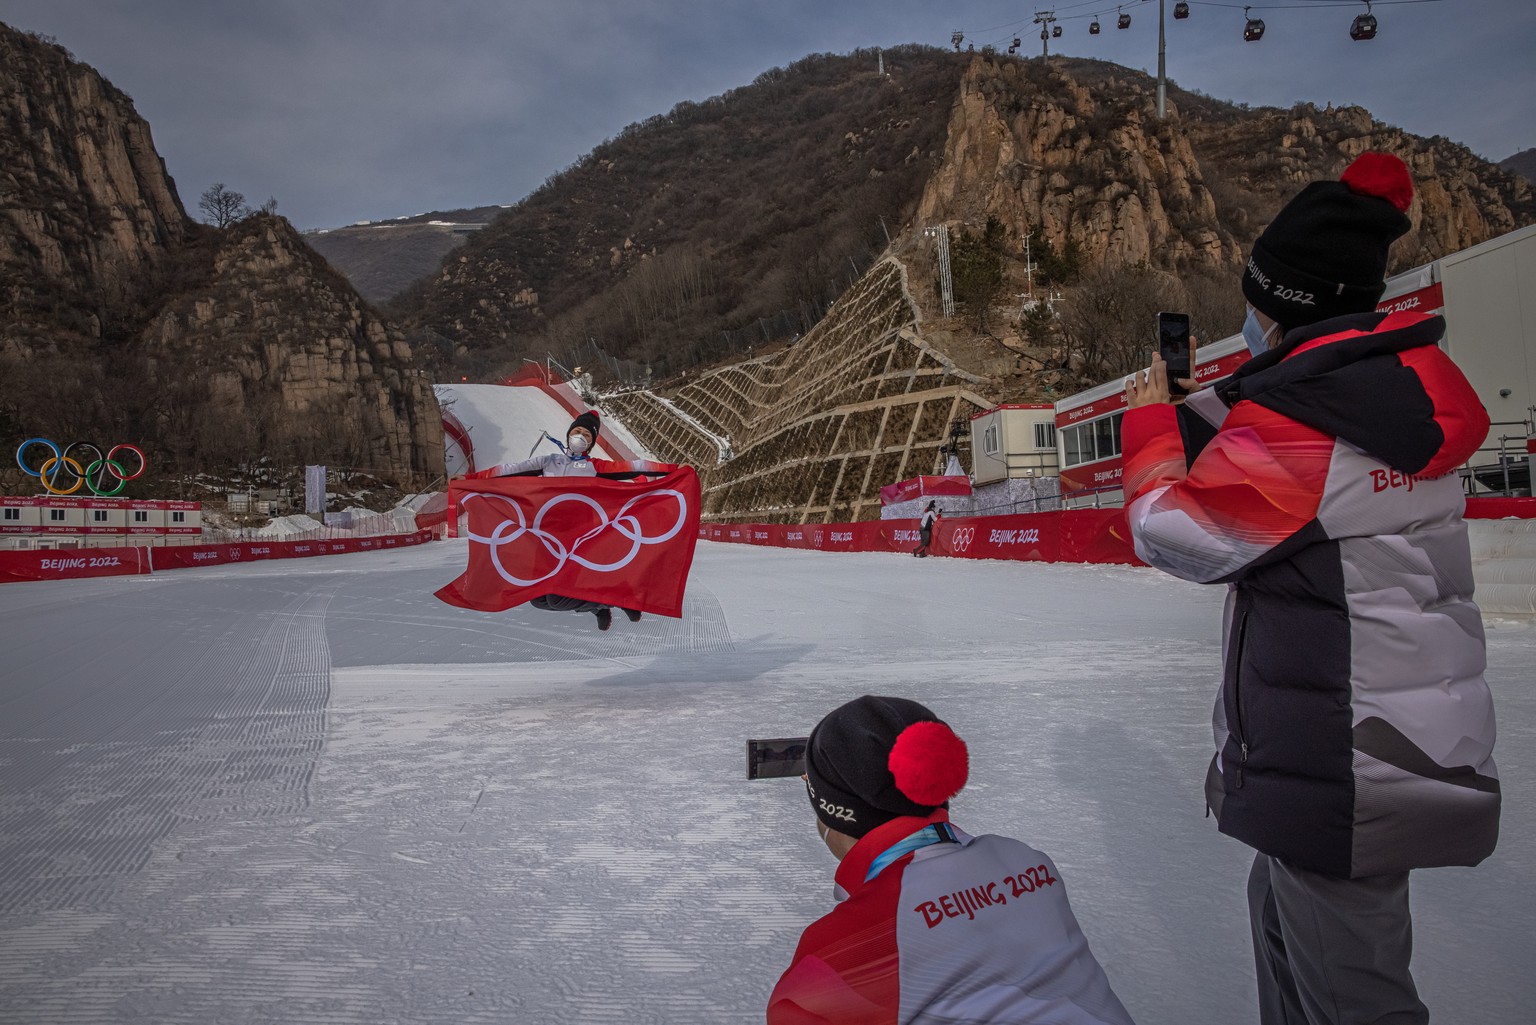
580	539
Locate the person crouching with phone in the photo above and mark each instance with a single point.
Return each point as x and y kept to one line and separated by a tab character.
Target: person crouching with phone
933	925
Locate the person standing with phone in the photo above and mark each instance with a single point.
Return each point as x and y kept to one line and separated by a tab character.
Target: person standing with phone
934	925
1354	727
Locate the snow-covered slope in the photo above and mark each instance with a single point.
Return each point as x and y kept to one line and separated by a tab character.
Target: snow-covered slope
308	791
504	422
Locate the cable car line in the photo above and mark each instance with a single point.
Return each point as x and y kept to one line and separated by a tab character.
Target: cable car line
1365	26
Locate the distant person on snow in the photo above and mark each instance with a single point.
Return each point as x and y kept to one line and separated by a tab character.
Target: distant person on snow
573	459
1354	727
925	529
934	925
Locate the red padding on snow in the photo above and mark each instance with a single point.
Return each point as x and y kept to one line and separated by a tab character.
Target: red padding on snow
1072	535
67	563
1497	508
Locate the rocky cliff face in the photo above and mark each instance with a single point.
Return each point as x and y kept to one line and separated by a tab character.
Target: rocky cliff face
281	339
1074	149
121	318
1032	146
87	204
1261	158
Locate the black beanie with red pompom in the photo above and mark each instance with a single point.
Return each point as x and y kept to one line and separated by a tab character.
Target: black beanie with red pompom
589	422
877	759
1325	253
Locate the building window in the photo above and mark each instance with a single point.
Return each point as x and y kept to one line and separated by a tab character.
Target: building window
1045	437
56	515
991	442
140	516
1072	447
178	517
98	516
1092	441
13	514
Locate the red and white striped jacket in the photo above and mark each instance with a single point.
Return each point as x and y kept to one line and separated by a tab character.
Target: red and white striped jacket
1354	728
974	930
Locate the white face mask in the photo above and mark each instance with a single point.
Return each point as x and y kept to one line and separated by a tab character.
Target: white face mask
1255	335
576	443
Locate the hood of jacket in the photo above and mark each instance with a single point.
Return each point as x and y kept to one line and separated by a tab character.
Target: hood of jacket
1366	379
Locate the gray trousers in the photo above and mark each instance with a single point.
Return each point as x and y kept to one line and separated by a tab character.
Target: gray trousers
560	603
1331	951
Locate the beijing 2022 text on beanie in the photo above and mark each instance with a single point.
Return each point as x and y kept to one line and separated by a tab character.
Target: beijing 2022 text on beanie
877	759
1325	253
587	420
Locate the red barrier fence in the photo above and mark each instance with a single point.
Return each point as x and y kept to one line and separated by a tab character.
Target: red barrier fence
1071	535
1496	508
62	564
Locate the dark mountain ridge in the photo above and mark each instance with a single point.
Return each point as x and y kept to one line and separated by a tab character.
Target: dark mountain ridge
705	219
723	225
121	320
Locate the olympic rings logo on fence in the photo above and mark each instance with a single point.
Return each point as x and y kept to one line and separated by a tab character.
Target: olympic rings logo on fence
65	471
962	538
627	524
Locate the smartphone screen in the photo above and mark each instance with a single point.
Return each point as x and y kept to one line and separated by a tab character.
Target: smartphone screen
770	759
1177	348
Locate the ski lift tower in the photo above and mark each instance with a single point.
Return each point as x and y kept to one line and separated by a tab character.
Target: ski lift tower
1046	20
1162	66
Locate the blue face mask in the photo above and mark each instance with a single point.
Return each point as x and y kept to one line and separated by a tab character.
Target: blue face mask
1254	333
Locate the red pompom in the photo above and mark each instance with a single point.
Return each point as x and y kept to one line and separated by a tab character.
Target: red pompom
929	762
1381	175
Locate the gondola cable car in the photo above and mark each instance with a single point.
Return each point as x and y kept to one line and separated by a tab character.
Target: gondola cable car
1180	10
1364	25
1093	27
1124	21
1055	31
1254	30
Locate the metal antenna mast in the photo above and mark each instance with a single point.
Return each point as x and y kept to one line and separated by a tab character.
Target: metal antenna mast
946	283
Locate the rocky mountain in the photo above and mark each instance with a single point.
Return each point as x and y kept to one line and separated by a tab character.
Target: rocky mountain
122	320
291	360
689	228
383	258
693	245
732	224
1522	163
89	210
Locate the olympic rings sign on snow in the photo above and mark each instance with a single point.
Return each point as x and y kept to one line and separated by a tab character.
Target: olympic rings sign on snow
63	472
962	538
626	523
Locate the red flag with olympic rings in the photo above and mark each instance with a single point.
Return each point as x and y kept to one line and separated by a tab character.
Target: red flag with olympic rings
623	543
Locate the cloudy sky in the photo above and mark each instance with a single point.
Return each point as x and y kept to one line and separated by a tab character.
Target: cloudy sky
346	110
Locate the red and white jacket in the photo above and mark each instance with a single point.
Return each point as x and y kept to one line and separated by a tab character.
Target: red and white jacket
1354	729
974	930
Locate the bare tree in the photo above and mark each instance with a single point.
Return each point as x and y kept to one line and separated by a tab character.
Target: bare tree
1110	322
222	206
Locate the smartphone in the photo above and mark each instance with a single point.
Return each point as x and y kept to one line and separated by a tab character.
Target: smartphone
771	759
1177	347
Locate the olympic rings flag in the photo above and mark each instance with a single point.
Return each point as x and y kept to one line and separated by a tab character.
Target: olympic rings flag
64	471
624	543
